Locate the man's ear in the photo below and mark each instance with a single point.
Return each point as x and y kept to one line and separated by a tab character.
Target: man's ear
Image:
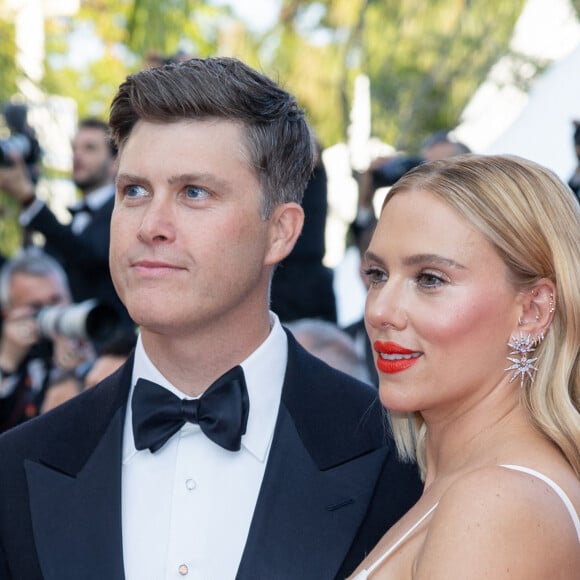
538	306
286	224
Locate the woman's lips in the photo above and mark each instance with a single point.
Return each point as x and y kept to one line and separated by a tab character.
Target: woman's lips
394	358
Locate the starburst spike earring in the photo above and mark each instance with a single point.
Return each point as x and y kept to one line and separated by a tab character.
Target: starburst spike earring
523	366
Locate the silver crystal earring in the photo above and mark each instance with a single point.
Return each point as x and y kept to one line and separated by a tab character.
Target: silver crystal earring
523	366
552	303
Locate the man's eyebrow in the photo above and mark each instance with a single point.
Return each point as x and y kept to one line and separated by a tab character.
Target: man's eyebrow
418	259
182	178
130	178
204	177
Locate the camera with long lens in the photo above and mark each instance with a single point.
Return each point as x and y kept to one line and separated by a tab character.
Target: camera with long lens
22	142
88	320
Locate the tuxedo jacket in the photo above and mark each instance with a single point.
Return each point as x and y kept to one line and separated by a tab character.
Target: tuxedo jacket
331	488
24	401
84	256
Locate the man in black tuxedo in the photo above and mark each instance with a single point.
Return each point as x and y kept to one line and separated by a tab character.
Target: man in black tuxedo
221	449
82	246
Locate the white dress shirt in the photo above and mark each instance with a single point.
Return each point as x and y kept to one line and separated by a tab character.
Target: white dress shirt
187	508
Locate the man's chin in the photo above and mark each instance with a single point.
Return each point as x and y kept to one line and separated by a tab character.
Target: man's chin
150	321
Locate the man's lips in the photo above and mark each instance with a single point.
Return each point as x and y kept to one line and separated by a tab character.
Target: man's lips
394	358
155	266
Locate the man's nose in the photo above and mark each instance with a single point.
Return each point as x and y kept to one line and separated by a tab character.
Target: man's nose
158	220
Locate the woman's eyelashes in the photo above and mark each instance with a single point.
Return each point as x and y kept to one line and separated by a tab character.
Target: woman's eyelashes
431	280
427	280
375	275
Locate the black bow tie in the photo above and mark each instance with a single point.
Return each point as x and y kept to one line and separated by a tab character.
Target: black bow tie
221	412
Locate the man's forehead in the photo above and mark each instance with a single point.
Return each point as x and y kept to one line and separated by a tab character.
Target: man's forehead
27	288
46	279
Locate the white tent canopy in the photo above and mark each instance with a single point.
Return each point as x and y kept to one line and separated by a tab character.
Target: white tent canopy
501	118
543	130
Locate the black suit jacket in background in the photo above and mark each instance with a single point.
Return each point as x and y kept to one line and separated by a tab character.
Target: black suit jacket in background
331	488
84	256
302	286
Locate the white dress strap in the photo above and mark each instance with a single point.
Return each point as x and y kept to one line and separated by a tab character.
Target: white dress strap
561	493
364	574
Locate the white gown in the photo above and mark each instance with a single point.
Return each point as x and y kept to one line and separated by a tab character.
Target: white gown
364	574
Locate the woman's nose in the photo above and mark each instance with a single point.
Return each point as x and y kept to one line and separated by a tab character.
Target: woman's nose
385	307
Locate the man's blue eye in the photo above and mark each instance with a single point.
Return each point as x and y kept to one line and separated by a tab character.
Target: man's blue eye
135	191
195	192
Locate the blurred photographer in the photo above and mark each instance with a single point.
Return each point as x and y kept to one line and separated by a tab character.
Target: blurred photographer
574	181
29	360
22	142
81	246
386	171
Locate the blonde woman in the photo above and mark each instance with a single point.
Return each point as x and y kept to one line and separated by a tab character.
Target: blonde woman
474	314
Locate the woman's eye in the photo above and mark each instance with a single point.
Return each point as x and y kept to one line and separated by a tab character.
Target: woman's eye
427	280
375	276
195	192
134	191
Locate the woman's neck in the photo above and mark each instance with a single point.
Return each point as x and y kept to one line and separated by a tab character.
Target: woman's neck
473	437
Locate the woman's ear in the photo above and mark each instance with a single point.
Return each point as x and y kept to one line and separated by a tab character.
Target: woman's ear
286	224
538	306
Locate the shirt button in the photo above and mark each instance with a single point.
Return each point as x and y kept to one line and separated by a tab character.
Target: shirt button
190	484
183	570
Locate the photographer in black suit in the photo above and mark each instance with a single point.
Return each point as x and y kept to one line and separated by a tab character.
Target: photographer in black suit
30	361
82	247
302	286
386	171
574	181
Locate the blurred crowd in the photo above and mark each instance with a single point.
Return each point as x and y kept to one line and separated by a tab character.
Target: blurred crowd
66	277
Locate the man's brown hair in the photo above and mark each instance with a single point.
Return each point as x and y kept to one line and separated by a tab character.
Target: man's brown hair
278	139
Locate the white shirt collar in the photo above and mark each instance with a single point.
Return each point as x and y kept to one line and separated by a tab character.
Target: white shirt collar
264	372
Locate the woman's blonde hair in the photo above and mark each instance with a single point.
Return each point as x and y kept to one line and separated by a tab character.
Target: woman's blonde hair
533	221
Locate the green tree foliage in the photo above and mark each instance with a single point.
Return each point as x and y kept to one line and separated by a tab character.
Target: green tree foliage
7	59
92	82
172	25
424	58
9	229
124	34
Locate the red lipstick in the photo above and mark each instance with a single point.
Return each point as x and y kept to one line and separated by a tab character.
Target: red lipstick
394	358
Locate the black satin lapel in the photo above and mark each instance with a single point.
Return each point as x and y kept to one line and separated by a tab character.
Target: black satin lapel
77	520
305	518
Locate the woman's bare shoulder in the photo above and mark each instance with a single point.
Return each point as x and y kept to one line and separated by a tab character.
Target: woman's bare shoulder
499	523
